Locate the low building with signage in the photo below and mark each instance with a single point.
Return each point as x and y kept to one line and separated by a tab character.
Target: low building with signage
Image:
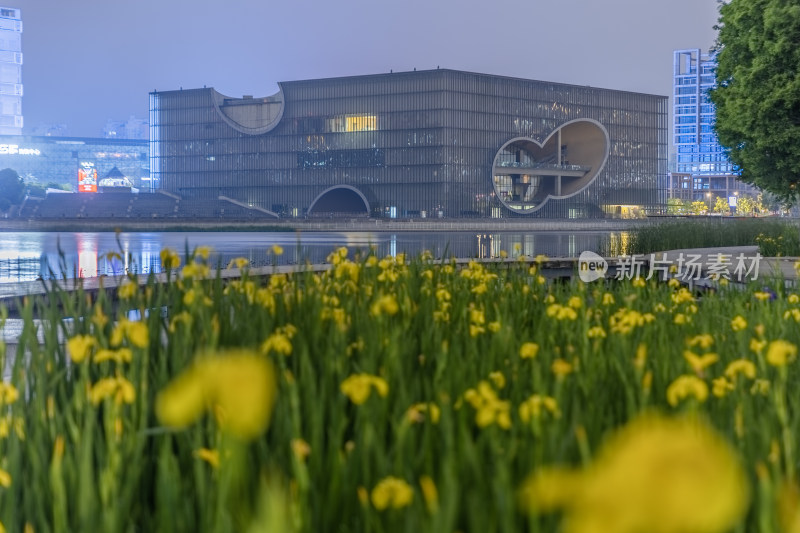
75	162
437	143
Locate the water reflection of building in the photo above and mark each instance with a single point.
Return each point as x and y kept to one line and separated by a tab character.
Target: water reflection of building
438	143
28	256
87	256
551	244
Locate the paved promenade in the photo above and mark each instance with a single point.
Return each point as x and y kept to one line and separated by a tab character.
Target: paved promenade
734	261
725	259
333	224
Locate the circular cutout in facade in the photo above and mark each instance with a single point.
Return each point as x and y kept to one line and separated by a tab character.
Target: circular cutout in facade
253	116
525	173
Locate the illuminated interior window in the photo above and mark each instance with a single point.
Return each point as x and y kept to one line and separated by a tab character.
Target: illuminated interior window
349	123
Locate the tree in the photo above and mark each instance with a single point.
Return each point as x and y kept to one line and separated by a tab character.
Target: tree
745	205
721	206
676	206
698	207
11	187
771	203
35	190
757	97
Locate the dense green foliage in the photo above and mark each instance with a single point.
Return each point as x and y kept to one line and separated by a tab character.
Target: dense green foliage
11	188
758	91
409	396
774	237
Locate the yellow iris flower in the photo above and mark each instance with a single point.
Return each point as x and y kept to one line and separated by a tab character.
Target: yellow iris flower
685	387
170	259
117	387
738	323
79	347
700	362
392	492
358	387
533	407
781	352
528	350
657	474
741	366
239	385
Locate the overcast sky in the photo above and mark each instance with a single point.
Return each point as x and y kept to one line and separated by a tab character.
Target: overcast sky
87	61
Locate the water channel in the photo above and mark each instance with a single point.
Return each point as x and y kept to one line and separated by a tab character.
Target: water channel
26	256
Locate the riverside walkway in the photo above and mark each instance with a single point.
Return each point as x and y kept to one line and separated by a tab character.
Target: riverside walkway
721	259
9	292
342	224
709	259
736	263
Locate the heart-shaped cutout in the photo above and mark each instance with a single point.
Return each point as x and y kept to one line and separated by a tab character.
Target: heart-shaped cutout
526	173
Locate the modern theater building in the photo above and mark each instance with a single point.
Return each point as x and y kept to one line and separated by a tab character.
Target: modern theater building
437	143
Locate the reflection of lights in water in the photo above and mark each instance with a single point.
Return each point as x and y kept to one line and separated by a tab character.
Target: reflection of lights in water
625	241
529	246
145	261
20	256
487	246
87	264
110	264
359	239
149	259
19	268
87	254
619	243
140	252
495	245
6	255
125	244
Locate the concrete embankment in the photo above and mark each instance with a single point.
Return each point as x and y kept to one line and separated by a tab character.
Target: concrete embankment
333	224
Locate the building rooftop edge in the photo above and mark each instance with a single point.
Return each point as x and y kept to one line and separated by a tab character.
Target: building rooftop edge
429	72
75	140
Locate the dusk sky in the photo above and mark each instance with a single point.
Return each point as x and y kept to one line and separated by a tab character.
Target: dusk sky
87	61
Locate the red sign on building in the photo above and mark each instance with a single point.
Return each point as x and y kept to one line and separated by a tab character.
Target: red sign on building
87	177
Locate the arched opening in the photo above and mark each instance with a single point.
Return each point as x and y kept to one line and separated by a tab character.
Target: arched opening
341	200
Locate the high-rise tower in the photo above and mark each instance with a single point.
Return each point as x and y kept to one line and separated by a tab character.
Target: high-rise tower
695	140
703	170
10	71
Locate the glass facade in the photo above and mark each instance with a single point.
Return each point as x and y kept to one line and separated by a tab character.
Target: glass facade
10	71
60	159
707	188
703	170
431	143
698	151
